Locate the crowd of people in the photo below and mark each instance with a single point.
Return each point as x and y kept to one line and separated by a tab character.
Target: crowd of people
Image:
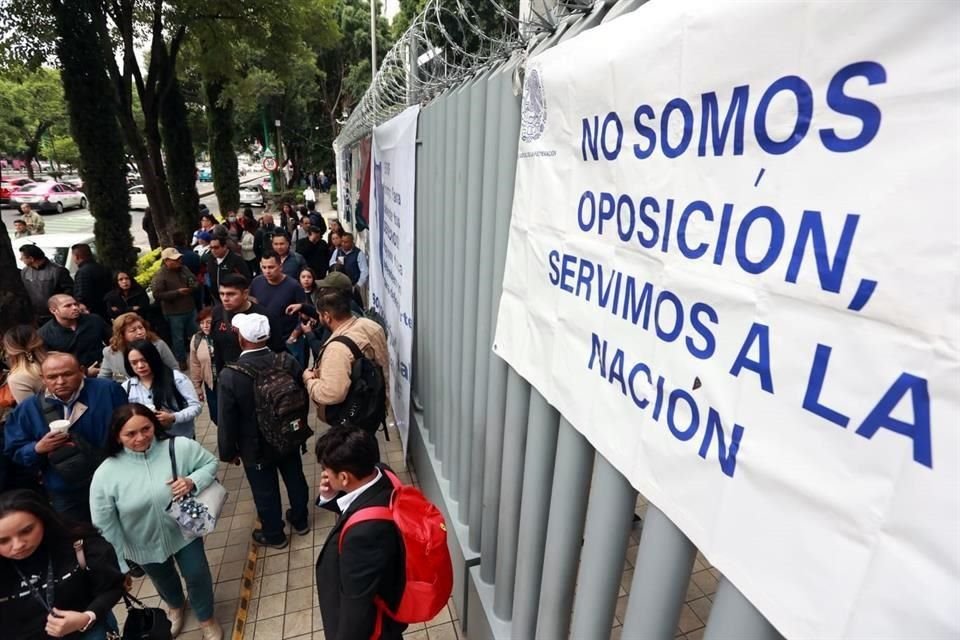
260	322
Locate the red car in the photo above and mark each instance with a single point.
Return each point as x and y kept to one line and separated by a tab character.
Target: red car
49	196
9	185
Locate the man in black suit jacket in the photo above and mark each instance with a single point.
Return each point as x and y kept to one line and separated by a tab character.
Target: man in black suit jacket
239	438
370	563
221	261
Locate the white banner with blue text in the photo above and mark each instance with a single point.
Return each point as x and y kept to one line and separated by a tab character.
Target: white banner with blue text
392	194
734	266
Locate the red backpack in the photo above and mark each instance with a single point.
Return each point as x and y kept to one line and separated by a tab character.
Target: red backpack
429	570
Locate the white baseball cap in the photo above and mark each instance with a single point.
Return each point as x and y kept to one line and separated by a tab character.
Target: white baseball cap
253	327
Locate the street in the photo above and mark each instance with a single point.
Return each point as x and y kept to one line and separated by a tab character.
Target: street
80	220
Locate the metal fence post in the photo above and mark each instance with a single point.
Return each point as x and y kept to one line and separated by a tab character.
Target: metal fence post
447	223
436	252
497	376
538	471
609	516
568	509
477	98
733	617
516	421
483	353
421	277
661	573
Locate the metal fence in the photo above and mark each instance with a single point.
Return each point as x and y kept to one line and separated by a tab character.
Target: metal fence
540	522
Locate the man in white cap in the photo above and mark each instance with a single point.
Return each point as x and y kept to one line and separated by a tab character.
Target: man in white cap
174	287
240	436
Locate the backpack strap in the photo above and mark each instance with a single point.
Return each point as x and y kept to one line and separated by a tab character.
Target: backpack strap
354	349
366	514
81	556
242	368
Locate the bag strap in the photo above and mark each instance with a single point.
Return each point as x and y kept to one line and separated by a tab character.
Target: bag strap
173	457
81	556
354	349
131	601
367	514
242	368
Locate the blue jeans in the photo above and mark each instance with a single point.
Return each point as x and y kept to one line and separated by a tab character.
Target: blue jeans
265	487
196	572
299	351
74	505
182	328
211	396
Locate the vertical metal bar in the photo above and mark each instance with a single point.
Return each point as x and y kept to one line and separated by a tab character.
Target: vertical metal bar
484	312
421	275
430	335
516	420
609	516
460	474
568	509
436	339
497	377
732	617
477	98
447	222
661	574
538	469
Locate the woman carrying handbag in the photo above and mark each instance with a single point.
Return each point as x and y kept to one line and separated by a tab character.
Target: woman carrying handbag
129	498
57	579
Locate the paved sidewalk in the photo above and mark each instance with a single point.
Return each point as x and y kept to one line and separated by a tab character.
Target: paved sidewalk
282	598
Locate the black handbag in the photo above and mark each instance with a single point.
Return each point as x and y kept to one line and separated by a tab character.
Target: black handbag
143	622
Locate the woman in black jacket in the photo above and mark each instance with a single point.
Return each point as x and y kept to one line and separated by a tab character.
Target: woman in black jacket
126	296
57	579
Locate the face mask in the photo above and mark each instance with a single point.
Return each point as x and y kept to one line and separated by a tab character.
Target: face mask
232	219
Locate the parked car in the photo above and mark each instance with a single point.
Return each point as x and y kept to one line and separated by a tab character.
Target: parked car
205	175
265	184
138	198
9	185
251	195
76	183
49	196
56	246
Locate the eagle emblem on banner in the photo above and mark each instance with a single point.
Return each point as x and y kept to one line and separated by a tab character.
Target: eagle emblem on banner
533	116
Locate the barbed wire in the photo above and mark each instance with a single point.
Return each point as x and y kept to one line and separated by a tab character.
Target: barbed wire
432	56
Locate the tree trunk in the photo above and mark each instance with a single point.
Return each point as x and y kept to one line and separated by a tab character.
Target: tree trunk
93	124
223	156
181	161
15	307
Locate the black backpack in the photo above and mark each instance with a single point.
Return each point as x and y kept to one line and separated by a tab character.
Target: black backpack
366	403
282	404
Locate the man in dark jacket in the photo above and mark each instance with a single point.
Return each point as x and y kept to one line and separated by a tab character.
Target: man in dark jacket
221	261
81	334
315	251
235	299
240	441
42	279
87	403
368	562
93	281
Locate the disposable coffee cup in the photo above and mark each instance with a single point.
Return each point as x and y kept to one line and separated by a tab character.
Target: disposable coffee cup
59	426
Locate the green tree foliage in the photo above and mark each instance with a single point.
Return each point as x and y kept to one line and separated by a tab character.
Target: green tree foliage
93	122
31	108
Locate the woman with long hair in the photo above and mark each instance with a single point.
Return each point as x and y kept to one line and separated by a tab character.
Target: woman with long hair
24	353
127	328
203	370
57	579
127	296
155	384
128	498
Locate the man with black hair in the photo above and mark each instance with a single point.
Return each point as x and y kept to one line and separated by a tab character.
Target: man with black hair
235	299
291	262
221	261
93	280
368	563
42	278
329	383
315	251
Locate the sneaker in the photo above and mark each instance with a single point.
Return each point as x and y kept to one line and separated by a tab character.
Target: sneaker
300	531
212	631
175	616
261	540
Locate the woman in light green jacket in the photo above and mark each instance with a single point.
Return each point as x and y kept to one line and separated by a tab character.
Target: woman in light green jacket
128	497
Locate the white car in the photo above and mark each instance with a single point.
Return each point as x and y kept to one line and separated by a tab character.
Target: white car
251	195
56	246
138	198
